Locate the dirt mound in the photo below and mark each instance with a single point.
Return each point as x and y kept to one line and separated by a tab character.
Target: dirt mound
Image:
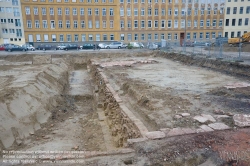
27	96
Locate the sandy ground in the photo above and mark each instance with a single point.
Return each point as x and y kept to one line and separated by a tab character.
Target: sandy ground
50	106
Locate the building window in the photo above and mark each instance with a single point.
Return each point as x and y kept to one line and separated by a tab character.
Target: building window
201	35
121	12
149	12
196	11
66	11
60	24
156	24
83	37
89	11
207	35
121	1
188	36
189	23
175	23
74	11
59	11
234	10
97	37
53	38
45	24
51	11
136	24
82	11
29	24
194	36
201	23
226	34
90	24
233	22
76	38
169	11
37	24
220	23
240	22
163	12
182	23
221	10
215	11
189	12
156	12
149	24
239	34
61	38
17	22
142	24
103	1
208	11
111	11
75	24
169	23
169	36
10	21
68	38
15	2
4	30
248	10
105	37
103	11
149	36
52	24
136	37
19	33
246	21
135	12
162	36
142	36
176	11
228	10
183	12
111	24
175	36
142	11
91	37
227	22
104	24
208	23
129	24
214	23
129	37
162	23
112	37
232	34
16	12
202	11
43	11
97	24
46	38
122	24
128	12
67	24
82	24
213	35
27	10
38	38
241	10
122	37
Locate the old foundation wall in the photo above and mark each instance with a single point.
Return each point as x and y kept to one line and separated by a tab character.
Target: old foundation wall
122	122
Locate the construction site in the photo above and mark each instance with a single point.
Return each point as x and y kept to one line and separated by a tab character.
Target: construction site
136	108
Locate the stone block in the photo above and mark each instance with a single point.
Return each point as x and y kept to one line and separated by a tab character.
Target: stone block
135	140
175	131
188	130
199	131
221	116
206	128
165	130
200	119
218	126
155	135
241	120
209	117
185	114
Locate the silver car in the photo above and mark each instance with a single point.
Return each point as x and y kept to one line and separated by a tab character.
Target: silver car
117	45
28	47
102	45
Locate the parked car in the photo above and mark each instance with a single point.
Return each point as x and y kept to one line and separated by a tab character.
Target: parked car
71	47
45	47
2	48
29	47
141	45
15	48
188	44
117	45
158	44
102	45
202	44
152	46
88	46
60	46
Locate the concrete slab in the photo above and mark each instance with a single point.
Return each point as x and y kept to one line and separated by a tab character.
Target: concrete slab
241	120
155	135
209	117
200	119
188	130
175	131
218	126
206	128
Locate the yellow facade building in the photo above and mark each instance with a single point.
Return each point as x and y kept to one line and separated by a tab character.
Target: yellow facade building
123	20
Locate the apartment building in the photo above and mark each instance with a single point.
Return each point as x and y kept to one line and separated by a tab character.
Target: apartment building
122	20
11	22
237	18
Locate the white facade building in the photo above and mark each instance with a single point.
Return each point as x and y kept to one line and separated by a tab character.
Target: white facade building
237	18
11	22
